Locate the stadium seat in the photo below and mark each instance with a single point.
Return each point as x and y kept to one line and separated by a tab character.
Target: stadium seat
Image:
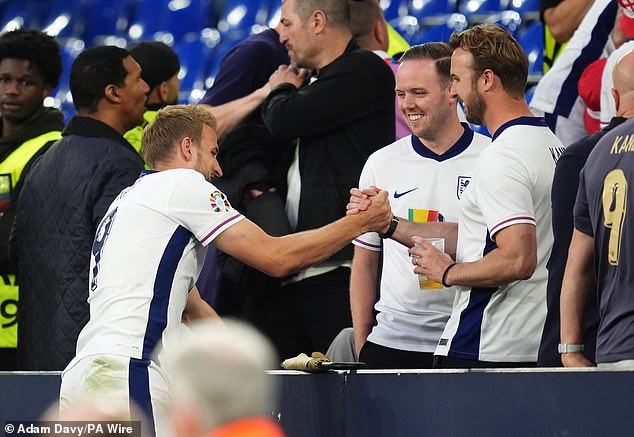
511	20
407	26
169	20
428	12
528	9
532	41
441	32
241	18
393	9
477	11
22	14
65	19
195	58
106	21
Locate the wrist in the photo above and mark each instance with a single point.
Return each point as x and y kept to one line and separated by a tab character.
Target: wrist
391	228
568	348
444	275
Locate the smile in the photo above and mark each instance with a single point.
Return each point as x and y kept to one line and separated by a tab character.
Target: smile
414	117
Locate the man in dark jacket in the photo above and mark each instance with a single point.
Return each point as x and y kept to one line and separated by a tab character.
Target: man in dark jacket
30	66
64	198
339	119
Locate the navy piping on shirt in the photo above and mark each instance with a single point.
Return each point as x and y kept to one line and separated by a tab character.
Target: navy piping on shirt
461	145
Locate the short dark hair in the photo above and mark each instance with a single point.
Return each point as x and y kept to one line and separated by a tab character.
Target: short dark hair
494	48
40	49
158	61
93	70
337	11
436	51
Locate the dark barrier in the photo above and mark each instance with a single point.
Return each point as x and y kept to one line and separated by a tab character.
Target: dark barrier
556	403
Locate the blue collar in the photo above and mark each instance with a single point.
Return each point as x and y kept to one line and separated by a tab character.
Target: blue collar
529	121
455	150
147	172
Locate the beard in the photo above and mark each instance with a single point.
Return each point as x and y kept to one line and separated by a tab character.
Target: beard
475	108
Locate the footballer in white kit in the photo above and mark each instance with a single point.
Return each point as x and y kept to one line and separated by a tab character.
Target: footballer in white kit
511	184
136	307
423	187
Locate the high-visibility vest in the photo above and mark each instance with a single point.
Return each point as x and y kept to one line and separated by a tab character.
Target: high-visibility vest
10	173
552	49
395	42
134	135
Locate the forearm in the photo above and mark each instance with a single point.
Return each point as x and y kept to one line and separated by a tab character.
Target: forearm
230	114
447	230
576	288
196	308
363	291
563	19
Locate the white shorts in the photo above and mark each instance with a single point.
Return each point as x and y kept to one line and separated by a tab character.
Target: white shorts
127	384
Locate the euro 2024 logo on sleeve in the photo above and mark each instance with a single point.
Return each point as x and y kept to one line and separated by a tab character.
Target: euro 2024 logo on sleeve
463	183
219	202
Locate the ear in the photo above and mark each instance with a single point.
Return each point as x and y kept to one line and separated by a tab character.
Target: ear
112	93
46	91
486	79
617	99
318	21
185	148
163	91
380	34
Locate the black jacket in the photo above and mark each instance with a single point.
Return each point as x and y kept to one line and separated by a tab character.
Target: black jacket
340	119
62	201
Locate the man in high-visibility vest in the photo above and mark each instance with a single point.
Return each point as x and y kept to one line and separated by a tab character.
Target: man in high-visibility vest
30	66
159	69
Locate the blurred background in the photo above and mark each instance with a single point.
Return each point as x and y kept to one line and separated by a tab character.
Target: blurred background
201	31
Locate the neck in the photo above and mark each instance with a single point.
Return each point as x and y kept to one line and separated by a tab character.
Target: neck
445	138
504	109
333	46
108	118
8	127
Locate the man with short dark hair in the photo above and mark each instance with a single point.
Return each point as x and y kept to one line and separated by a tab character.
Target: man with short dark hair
65	196
30	66
159	69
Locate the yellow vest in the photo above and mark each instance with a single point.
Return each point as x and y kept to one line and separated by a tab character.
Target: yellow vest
134	135
552	49
13	167
395	42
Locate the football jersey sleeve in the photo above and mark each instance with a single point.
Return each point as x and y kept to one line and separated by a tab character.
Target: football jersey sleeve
369	240
503	191
201	208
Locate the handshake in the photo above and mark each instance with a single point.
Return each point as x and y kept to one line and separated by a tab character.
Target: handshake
372	204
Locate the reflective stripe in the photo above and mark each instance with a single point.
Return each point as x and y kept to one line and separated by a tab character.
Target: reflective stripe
16	161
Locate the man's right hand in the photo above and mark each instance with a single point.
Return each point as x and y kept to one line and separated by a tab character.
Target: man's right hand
360	199
378	214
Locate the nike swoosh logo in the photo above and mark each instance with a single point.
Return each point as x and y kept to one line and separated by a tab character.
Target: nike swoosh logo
397	194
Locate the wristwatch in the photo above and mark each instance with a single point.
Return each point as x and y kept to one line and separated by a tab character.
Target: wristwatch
568	348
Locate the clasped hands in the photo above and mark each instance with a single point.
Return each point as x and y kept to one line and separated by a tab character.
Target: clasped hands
288	74
428	260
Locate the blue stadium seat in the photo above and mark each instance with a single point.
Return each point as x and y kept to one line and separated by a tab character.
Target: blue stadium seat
170	20
428	11
511	20
407	26
441	32
528	9
532	41
22	13
241	18
393	9
477	11
195	58
107	19
66	19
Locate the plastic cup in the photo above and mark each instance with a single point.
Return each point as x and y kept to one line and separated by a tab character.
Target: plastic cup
425	283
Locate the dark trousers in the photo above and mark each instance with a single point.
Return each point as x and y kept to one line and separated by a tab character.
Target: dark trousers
441	362
376	356
304	316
